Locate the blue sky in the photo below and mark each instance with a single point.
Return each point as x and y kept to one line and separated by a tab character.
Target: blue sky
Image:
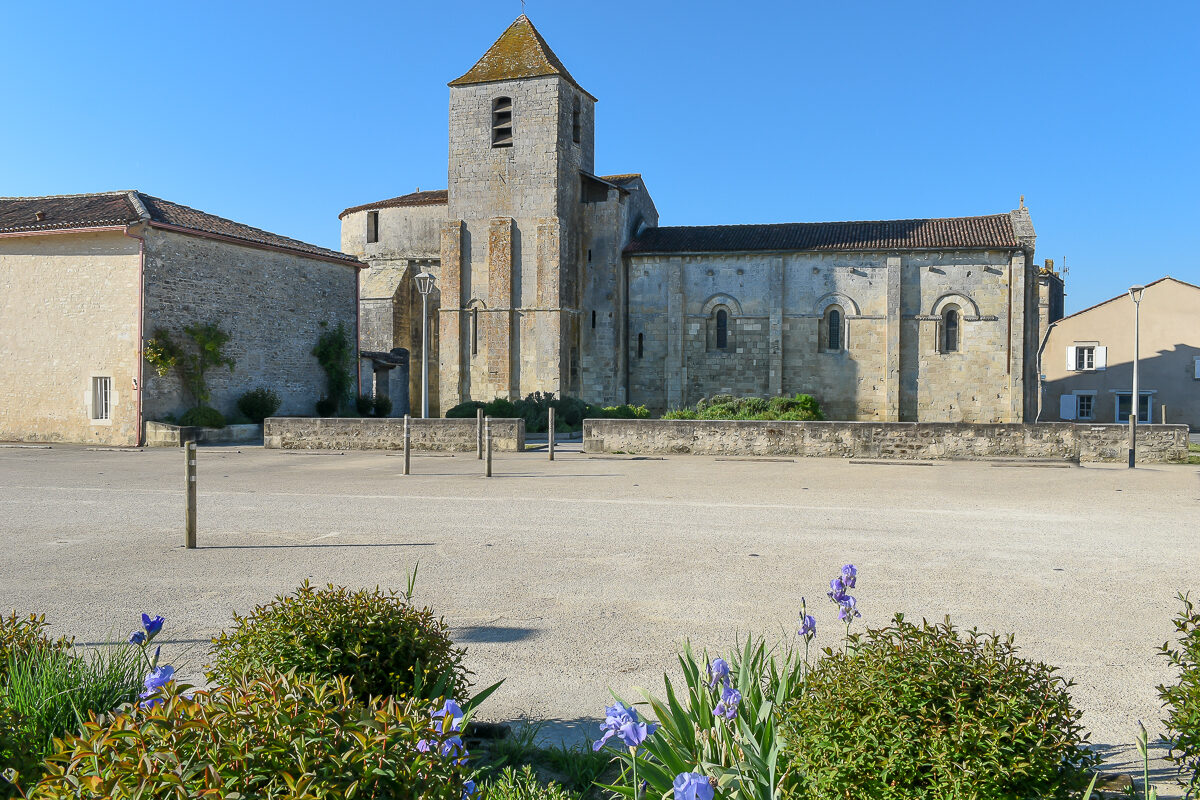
282	114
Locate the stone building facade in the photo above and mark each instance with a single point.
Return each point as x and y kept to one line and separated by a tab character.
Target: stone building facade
86	279
552	278
1087	359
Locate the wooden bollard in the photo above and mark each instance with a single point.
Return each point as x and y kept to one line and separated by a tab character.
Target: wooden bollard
407	446
550	433
189	510
479	433
487	435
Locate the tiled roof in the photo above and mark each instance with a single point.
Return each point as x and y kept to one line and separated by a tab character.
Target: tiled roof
520	52
992	232
66	212
623	179
436	197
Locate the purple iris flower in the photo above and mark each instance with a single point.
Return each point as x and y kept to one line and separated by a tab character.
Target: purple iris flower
692	786
137	637
846	608
808	627
152	626
718	672
728	707
623	722
849	576
158	678
452	710
468	790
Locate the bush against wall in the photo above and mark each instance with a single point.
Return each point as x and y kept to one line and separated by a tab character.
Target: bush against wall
258	404
801	408
336	355
380	641
203	416
912	712
569	412
1182	700
207	351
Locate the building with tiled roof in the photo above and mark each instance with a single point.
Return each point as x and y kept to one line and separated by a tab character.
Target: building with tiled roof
554	278
90	283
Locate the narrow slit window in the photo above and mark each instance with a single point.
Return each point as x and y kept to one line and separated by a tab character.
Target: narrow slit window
575	125
372	226
593	319
502	122
474	331
640	347
722	329
101	398
950	325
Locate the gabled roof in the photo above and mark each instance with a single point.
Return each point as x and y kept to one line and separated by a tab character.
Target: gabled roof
520	52
1123	295
436	197
970	233
73	211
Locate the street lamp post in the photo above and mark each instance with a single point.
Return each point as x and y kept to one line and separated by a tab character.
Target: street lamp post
424	283
1135	404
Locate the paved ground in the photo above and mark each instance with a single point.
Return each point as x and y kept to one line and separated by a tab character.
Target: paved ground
569	578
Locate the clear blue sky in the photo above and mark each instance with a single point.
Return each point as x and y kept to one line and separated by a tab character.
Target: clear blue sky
282	114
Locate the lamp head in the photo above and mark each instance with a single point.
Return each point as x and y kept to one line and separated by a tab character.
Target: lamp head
1136	293
424	282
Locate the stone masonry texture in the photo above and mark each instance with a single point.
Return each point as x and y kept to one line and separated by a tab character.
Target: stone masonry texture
448	435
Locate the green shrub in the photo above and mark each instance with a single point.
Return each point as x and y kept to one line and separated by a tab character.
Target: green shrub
381	642
326	407
465	410
801	407
523	785
500	408
920	712
204	416
336	355
21	635
382	405
363	404
258	404
681	413
277	736
624	411
1183	698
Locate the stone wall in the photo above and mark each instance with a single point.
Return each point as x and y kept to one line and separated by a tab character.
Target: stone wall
1156	443
68	313
450	435
274	305
160	434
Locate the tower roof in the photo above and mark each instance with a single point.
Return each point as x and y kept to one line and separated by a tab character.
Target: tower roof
520	52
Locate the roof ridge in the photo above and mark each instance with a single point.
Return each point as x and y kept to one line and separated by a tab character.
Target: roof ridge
230	221
1125	294
837	221
113	193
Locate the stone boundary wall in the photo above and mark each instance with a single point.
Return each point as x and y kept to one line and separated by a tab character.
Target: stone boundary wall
160	434
914	440
333	433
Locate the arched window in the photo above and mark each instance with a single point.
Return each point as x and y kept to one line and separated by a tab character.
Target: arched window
722	329
502	122
951	320
832	336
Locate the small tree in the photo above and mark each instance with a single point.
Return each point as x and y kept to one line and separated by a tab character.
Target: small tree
336	356
164	355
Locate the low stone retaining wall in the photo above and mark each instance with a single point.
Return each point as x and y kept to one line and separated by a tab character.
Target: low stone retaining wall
368	433
925	440
160	434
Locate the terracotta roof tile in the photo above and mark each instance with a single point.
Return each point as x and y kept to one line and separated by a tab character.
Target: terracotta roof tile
66	212
991	232
436	197
520	52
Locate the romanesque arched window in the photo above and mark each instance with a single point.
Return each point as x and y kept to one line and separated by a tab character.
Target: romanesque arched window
951	335
502	122
722	329
832	335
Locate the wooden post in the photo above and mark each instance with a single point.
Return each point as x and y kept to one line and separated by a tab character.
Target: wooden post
487	435
479	433
189	512
407	446
550	433
1132	439
1162	415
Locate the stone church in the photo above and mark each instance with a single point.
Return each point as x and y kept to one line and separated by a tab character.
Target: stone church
553	278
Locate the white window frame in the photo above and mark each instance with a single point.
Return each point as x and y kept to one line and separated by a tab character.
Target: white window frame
1098	357
100	399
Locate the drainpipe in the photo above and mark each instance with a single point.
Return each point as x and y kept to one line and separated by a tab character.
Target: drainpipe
141	240
1041	388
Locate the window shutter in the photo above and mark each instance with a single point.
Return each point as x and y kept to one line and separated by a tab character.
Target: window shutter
1101	358
1198	368
1070	359
1066	405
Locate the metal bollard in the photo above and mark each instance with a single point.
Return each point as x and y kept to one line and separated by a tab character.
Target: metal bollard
1162	415
189	511
487	435
550	433
407	446
479	433
1132	439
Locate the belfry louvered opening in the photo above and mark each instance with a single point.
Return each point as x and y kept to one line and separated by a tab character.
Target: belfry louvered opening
502	122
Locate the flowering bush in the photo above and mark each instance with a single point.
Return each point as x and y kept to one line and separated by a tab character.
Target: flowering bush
382	643
1183	699
278	735
919	712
